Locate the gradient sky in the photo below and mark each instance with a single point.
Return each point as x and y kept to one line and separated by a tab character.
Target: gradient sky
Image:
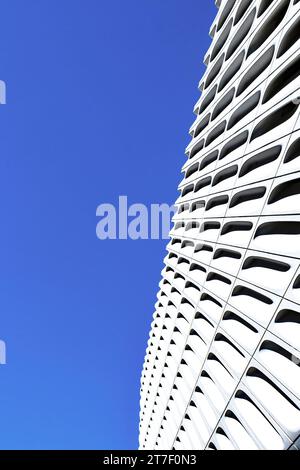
99	102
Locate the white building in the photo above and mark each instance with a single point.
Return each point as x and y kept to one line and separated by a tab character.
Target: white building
222	368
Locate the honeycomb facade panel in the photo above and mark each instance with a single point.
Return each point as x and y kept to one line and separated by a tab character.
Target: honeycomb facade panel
221	369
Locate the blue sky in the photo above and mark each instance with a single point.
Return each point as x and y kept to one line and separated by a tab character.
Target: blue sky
99	102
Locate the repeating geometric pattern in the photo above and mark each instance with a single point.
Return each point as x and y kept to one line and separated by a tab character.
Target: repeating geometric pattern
221	369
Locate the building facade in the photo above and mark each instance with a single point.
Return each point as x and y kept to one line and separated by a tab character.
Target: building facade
222	366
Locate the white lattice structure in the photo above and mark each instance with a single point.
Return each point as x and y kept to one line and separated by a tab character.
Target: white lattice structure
222	368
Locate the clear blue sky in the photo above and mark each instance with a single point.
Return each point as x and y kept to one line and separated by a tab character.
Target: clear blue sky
99	101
